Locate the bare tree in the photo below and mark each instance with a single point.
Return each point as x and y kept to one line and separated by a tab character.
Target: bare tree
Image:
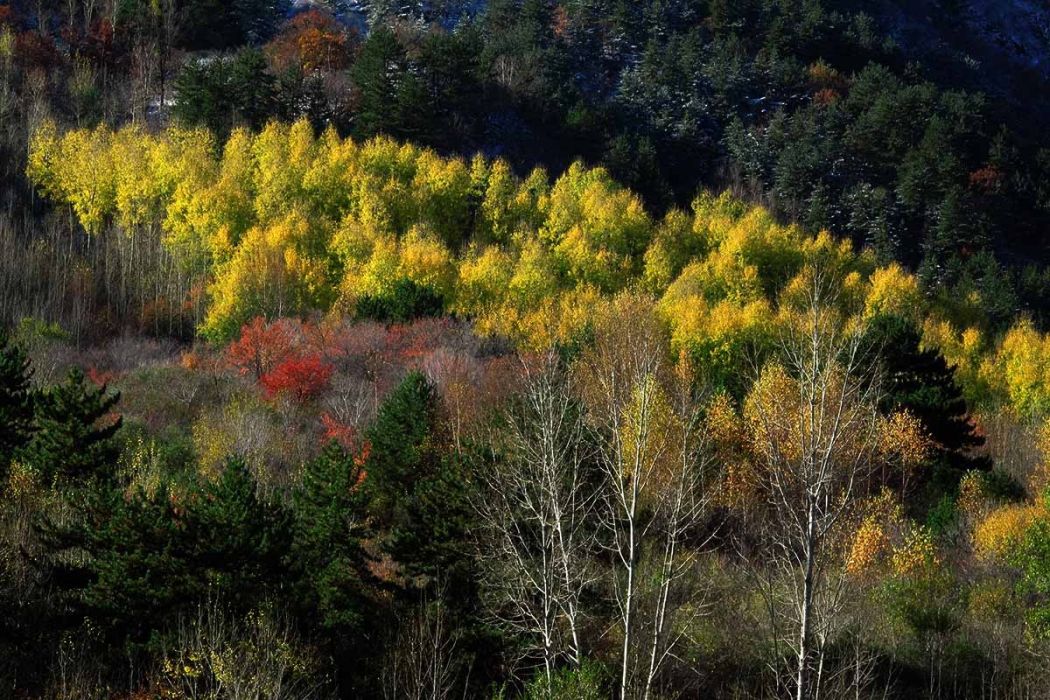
653	486
421	663
537	506
813	422
260	657
682	504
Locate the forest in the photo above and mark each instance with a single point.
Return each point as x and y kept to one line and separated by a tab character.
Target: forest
552	350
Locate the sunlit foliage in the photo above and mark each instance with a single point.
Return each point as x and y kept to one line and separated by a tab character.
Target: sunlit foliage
286	222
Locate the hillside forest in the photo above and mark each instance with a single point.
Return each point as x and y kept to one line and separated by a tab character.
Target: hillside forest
553	350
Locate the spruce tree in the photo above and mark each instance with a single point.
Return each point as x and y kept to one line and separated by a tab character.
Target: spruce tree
144	558
415	489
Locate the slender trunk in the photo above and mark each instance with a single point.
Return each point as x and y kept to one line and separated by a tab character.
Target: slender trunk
548	616
661	612
820	671
802	677
569	593
628	606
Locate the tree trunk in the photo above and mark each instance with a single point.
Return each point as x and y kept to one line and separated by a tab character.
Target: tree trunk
802	677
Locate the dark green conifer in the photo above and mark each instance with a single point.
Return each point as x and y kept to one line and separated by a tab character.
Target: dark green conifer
330	522
16	405
73	431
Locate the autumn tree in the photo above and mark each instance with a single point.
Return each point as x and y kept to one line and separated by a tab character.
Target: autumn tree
311	41
261	346
302	378
813	424
655	486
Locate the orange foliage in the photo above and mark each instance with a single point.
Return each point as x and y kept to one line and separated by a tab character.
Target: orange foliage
826	96
312	40
560	22
869	544
99	377
335	430
987	180
261	346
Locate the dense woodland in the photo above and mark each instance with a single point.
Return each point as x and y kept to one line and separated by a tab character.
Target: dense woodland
521	349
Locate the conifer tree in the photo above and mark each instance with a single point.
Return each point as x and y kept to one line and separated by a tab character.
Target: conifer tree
328	529
16	406
73	433
144	558
920	381
415	491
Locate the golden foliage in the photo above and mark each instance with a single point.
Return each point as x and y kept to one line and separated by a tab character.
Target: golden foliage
870	543
894	292
289	221
1003	528
727	434
648	428
917	555
972	493
903	440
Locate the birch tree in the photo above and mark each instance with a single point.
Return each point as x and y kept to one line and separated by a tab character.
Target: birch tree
537	504
653	486
813	425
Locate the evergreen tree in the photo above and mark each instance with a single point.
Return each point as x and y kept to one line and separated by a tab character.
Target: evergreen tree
920	381
378	73
143	559
257	20
416	493
16	406
407	300
225	92
330	522
252	89
73	433
335	589
199	98
394	99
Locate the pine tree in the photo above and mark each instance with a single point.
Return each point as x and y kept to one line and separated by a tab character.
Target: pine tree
74	434
199	96
251	89
328	529
237	541
16	405
142	559
378	73
416	493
